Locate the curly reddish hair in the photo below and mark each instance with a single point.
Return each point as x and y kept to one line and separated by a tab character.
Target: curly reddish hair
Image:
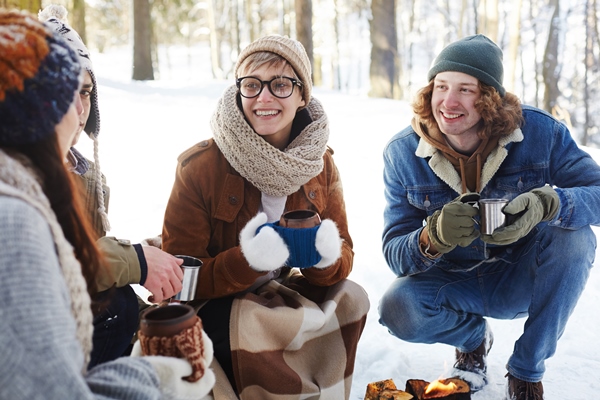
500	116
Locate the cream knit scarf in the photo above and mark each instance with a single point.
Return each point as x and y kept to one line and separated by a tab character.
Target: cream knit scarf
272	171
18	179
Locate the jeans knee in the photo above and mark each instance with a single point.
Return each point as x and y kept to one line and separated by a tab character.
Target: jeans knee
580	244
566	257
401	314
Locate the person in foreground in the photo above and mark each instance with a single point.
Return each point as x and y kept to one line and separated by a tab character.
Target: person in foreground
469	135
269	155
48	257
116	320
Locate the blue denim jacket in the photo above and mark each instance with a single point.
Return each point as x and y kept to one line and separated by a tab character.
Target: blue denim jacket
419	180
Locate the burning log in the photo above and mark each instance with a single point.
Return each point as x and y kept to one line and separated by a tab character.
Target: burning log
386	390
444	389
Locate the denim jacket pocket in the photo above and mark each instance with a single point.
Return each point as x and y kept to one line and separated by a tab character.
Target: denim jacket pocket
510	185
428	198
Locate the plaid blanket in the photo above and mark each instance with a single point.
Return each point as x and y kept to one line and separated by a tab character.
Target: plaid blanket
293	340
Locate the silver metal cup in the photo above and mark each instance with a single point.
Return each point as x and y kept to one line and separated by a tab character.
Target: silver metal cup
191	267
491	214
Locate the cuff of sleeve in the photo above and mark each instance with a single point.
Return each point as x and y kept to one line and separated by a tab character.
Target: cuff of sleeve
143	265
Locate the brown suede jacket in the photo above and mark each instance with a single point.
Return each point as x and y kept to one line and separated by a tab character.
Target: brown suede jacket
210	204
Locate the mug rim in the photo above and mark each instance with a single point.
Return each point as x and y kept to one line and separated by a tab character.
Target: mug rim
167	327
195	261
163	314
493	201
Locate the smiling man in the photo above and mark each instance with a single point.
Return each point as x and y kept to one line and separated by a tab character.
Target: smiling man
469	137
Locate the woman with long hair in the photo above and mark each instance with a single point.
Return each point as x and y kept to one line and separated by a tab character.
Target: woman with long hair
48	256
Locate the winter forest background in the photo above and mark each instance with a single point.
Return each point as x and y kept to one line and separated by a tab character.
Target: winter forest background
381	48
159	84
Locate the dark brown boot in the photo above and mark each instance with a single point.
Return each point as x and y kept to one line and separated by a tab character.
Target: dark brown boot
517	389
472	367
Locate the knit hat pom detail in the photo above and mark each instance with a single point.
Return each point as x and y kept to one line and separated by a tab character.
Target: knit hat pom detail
53	11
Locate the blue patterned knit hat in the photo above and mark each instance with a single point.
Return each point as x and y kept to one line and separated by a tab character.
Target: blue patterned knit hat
39	74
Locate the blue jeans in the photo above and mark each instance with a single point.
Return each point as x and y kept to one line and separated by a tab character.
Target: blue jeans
115	325
542	279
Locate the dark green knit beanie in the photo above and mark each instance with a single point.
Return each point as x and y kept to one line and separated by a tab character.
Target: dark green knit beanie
474	55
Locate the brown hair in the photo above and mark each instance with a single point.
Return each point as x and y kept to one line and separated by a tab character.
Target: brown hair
59	187
256	60
500	116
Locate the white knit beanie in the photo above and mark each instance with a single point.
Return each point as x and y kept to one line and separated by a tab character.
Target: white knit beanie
56	17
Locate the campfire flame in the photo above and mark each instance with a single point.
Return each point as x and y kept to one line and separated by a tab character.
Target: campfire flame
438	388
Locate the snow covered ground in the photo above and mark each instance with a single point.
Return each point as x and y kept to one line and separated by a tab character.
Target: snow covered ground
145	125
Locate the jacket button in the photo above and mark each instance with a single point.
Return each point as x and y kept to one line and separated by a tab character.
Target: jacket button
233	200
312	194
203	143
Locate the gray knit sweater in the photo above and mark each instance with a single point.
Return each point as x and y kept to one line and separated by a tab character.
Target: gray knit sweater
40	355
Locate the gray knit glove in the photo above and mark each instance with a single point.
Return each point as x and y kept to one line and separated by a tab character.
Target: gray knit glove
526	211
453	225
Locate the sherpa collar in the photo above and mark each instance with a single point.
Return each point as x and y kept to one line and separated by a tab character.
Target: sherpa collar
446	171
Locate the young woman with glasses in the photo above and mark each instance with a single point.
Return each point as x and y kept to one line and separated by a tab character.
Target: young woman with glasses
269	155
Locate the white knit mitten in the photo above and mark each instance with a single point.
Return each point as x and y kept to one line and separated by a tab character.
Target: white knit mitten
265	250
171	372
328	243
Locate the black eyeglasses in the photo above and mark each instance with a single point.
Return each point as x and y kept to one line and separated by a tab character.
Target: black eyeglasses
281	87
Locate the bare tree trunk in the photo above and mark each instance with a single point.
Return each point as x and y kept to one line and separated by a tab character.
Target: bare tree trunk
304	16
142	41
78	20
215	49
536	80
550	67
492	19
514	44
448	13
284	11
476	14
489	19
250	19
406	42
411	46
383	71
32	6
463	12
235	26
244	28
337	74
589	66
595	19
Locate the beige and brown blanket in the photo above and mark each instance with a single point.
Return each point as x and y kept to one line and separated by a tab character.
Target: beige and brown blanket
293	340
